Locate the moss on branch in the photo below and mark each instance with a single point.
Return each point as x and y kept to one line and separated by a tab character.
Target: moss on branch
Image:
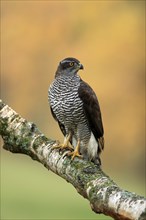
21	136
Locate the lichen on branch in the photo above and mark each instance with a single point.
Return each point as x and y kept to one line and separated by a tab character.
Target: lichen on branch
104	195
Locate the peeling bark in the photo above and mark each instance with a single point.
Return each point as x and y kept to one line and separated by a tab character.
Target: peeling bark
21	136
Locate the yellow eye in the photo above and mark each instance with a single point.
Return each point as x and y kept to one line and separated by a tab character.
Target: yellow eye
71	63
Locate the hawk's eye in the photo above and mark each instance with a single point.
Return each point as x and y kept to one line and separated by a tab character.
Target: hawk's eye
71	63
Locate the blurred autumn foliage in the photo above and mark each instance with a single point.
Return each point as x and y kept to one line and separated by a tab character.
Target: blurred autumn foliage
108	37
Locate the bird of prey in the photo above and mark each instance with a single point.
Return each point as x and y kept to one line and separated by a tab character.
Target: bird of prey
75	107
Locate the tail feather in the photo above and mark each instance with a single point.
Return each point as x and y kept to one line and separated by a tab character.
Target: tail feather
100	144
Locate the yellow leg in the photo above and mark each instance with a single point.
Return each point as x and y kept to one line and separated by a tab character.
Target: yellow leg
66	143
75	153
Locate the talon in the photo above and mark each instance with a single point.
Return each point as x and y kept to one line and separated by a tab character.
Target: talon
62	146
55	145
65	145
65	153
75	153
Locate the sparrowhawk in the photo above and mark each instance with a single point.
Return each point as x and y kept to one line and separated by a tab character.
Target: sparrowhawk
75	107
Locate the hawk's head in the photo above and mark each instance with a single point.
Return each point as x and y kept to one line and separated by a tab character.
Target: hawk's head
69	66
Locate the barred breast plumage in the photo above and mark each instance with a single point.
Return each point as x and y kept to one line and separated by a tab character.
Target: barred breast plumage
68	107
66	104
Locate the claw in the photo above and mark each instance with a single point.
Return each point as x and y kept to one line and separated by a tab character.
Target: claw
55	145
65	145
65	153
75	153
62	146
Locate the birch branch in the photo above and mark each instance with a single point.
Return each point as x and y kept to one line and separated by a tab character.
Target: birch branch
105	196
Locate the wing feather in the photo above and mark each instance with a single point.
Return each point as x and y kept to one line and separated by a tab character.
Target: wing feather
62	127
92	111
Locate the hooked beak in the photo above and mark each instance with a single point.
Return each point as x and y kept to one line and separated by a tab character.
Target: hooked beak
81	67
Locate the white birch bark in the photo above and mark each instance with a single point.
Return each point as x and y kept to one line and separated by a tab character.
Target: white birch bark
91	182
